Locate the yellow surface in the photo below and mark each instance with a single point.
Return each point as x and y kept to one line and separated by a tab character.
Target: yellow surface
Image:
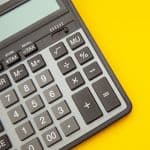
122	30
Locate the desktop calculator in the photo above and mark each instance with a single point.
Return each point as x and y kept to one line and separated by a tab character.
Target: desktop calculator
56	88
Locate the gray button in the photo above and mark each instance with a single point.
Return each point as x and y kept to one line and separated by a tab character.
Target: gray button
17	114
34	144
51	137
75	41
66	65
61	110
52	94
106	94
43	120
44	78
19	73
27	88
36	63
4	82
92	71
75	81
35	104
69	126
9	98
58	50
84	56
25	131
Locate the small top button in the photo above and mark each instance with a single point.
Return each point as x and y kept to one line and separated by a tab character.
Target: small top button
75	41
4	82
12	59
29	50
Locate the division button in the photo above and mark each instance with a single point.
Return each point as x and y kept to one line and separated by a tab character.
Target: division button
58	50
87	105
75	41
106	94
19	73
4	82
5	143
69	126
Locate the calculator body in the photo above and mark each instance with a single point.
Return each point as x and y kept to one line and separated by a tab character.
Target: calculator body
88	95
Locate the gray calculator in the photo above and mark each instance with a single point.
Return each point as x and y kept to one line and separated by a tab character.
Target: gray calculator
56	88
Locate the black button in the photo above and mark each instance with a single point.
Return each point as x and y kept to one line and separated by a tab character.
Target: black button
5	143
84	56
66	65
12	59
87	106
36	63
92	71
75	81
1	67
4	82
1	127
106	94
29	50
19	73
75	41
58	50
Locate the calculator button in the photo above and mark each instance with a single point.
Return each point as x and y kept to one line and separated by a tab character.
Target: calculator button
9	98
44	78
29	50
1	67
5	143
66	65
74	81
4	82
36	63
27	88
43	120
75	41
61	110
19	73
51	137
106	94
35	104
58	50
69	126
92	71
34	144
52	94
87	105
25	131
17	114
1	127
84	56
12	59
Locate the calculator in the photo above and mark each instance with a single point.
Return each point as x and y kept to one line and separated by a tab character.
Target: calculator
56	88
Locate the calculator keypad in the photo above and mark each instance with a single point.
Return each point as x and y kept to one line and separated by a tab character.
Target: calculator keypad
59	94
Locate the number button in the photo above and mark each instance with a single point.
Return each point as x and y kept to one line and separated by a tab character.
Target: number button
9	98
34	144
70	126
17	114
25	131
61	110
27	88
52	94
43	120
66	65
4	82
44	78
51	137
35	104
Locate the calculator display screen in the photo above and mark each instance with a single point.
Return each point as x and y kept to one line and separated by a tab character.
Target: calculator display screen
25	15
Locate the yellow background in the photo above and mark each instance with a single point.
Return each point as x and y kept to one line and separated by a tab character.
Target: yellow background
122	30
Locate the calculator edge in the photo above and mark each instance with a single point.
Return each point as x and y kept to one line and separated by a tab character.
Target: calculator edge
69	4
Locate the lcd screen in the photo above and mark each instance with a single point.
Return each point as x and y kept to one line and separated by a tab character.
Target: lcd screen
25	15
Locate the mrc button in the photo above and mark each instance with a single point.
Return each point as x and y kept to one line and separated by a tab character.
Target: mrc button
75	41
4	82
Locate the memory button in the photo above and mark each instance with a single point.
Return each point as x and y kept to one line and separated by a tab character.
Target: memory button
4	82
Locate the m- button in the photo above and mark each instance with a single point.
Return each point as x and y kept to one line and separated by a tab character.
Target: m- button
75	41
